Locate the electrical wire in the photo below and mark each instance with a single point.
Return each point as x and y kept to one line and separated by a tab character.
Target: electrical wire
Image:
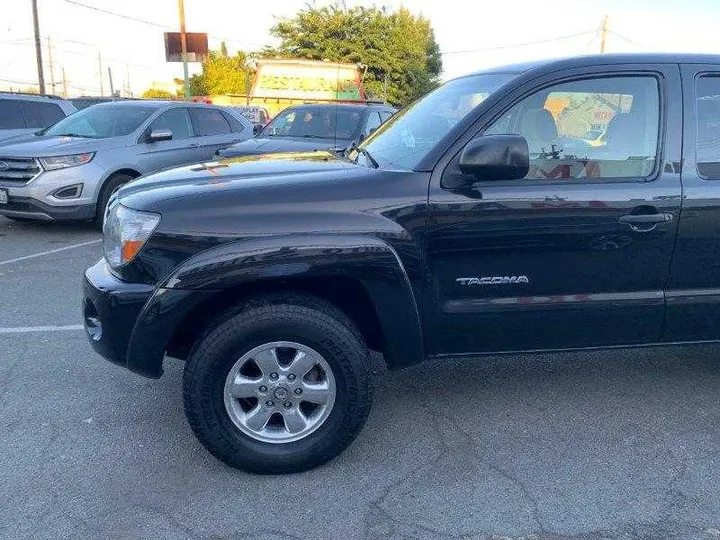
157	25
525	44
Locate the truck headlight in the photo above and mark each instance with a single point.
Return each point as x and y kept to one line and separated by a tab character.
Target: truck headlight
63	162
125	232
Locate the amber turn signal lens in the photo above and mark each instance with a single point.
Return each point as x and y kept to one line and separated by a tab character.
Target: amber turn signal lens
130	248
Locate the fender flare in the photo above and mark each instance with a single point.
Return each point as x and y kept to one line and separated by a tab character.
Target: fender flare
369	260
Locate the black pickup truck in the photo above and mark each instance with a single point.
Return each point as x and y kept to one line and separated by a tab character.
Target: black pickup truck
568	204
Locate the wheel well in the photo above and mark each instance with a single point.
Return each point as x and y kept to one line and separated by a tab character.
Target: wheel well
129	172
345	293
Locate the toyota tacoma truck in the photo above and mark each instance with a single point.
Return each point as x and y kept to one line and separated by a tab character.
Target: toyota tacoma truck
480	220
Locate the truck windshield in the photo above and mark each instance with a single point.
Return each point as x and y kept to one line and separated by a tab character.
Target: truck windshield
409	135
101	121
320	122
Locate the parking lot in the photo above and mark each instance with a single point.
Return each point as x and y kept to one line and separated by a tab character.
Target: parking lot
592	445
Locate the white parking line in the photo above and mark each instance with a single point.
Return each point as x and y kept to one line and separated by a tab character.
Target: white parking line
29	329
49	252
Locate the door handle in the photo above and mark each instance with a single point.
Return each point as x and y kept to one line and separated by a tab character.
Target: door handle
645	222
194	145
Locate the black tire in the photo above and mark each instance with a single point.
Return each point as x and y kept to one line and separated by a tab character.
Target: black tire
302	319
111	184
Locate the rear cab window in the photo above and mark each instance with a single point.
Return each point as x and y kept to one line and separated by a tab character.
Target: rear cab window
707	105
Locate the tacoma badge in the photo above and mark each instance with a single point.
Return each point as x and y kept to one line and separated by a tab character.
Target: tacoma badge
495	280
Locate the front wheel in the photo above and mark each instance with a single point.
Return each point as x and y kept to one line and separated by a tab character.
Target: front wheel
280	386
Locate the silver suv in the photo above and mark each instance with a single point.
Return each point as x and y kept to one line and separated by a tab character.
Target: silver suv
24	114
70	170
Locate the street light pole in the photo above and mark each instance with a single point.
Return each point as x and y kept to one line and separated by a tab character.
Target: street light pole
183	43
38	48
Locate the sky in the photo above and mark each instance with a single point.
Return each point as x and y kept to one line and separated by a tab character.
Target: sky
472	34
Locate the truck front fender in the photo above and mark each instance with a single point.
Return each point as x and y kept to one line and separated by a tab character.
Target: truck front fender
368	260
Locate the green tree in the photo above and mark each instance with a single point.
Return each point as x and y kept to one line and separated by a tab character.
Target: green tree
157	93
222	74
399	45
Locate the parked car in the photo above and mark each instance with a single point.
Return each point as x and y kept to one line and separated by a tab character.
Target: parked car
83	102
23	114
302	128
459	228
257	116
69	171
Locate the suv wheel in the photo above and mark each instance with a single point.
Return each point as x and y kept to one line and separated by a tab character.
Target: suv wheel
280	386
111	186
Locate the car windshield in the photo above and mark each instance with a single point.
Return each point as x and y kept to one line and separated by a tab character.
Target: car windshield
322	122
409	135
101	121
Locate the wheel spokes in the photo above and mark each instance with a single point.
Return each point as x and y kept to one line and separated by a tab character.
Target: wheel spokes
317	393
295	420
242	387
267	361
258	418
301	364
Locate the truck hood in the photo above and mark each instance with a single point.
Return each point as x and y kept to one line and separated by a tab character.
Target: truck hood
42	146
244	174
269	145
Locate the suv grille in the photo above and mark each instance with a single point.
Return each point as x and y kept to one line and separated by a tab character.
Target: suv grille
18	171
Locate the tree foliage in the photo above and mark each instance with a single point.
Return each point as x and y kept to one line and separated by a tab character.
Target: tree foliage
157	93
222	74
399	45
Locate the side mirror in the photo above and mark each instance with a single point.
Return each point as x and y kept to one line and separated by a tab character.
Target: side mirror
159	135
496	157
257	128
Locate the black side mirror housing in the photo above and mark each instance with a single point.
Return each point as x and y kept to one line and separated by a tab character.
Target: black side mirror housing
257	128
496	157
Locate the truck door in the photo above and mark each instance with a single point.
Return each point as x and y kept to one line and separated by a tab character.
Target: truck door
577	253
693	291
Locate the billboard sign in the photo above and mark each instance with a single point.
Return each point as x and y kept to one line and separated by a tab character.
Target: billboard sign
197	47
303	79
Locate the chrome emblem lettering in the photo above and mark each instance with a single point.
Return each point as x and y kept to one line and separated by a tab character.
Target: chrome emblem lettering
3	166
492	280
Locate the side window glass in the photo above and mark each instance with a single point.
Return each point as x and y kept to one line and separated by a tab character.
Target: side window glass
210	122
707	94
235	124
594	128
177	121
385	115
11	116
373	122
44	114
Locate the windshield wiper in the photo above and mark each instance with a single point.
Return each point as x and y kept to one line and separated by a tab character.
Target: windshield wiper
308	136
364	152
74	135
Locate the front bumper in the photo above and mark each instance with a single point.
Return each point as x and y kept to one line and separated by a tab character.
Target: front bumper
36	199
110	309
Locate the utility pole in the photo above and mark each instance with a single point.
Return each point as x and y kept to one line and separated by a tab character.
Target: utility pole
603	34
102	92
183	43
52	70
64	83
128	92
38	48
112	88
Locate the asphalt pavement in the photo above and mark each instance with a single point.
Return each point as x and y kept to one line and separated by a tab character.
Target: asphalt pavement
576	446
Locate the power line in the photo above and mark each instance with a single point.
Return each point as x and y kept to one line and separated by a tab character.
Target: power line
627	39
536	42
157	25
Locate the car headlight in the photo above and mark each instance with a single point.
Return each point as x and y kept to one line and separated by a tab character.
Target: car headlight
63	162
125	232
